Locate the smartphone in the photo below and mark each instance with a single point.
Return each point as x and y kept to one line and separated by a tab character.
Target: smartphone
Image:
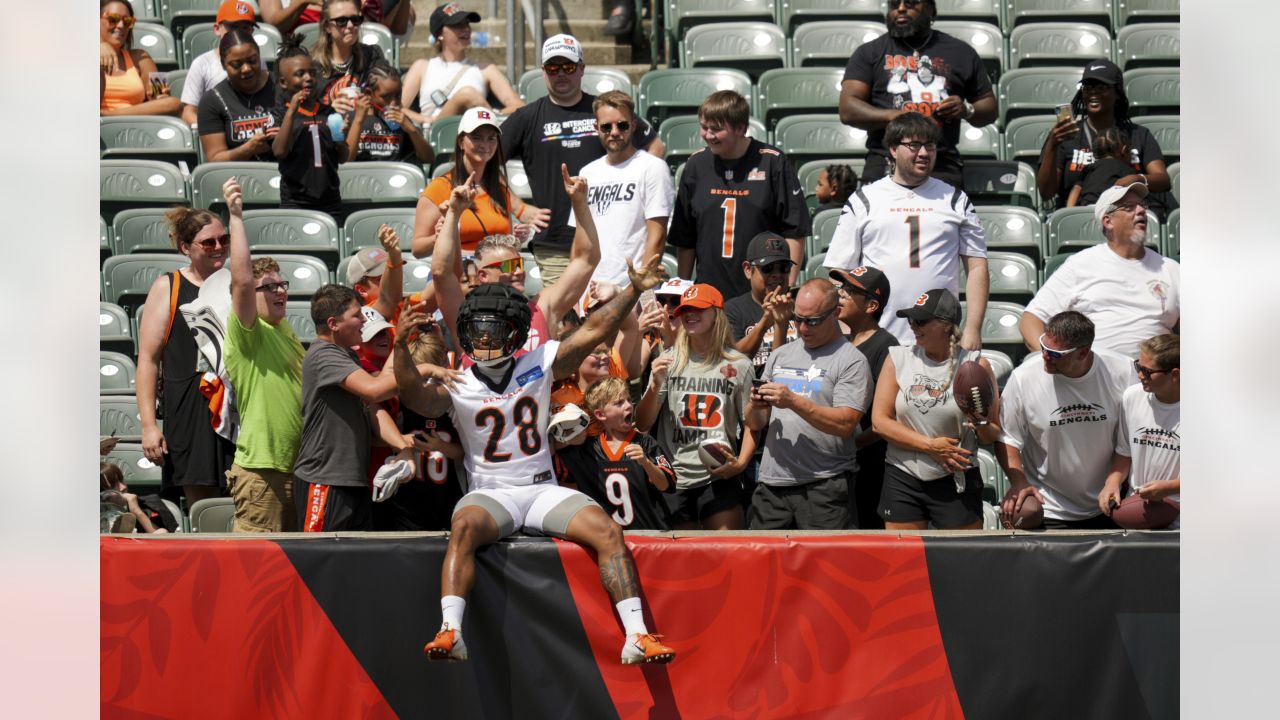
758	383
1064	112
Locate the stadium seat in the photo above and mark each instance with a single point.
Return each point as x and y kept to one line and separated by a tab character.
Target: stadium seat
1001	365
141	230
811	136
199	38
380	183
305	274
114	331
143	137
213	515
830	43
1013	229
159	44
1153	91
752	47
361	230
1052	263
1175	177
532	275
1074	228
1167	130
443	169
147	11
104	240
814	268
142	475
287	230
1058	44
443	134
298	315
417	273
118	417
125	184
809	171
1024	138
182	14
1035	91
177	80
1172	246
595	80
792	13
1148	45
670	264
983	142
988	11
1000	329
994	482
1018	12
986	39
685	14
116	373
1013	276
259	183
518	180
682	137
1140	11
1000	182
824	227
791	91
663	93
126	279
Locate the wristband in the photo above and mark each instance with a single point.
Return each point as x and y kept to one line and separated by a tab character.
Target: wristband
393	265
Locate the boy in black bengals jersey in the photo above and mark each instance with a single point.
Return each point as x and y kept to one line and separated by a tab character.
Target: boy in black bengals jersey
622	469
305	147
736	189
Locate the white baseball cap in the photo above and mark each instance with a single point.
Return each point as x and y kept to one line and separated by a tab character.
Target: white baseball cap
478	117
374	323
562	46
1114	194
674	286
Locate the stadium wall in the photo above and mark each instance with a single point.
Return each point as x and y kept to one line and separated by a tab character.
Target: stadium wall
766	626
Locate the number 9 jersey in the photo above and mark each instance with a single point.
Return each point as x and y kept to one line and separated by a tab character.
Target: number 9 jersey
504	432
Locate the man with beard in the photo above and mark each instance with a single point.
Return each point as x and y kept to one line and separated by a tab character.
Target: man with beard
944	79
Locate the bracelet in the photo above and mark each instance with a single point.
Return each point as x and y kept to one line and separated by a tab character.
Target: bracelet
392	265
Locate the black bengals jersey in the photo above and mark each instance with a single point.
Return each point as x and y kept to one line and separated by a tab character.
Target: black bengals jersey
426	504
618	483
721	205
309	173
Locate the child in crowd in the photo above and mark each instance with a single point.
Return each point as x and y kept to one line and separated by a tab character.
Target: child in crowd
307	151
1111	162
377	128
836	183
149	513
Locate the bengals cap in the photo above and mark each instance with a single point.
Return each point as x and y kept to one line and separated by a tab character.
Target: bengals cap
937	303
236	11
865	279
700	297
451	14
562	46
478	117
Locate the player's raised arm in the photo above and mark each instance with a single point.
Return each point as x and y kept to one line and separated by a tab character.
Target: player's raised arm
424	396
446	257
604	323
584	256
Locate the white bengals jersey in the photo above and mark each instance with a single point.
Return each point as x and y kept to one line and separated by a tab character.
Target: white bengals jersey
915	236
504	434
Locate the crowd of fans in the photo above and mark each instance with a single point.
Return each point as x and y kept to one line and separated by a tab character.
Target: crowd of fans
731	396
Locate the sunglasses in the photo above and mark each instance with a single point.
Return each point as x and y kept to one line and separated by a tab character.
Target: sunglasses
274	287
1054	354
811	321
566	68
622	126
920	323
916	147
908	3
355	20
507	266
1146	372
211	243
113	19
775	268
668	301
849	291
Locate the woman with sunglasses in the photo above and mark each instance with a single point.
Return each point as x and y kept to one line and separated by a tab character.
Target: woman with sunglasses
128	84
931	473
699	391
342	61
477	152
193	458
235	118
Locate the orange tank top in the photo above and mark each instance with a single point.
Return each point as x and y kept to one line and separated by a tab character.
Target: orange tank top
126	89
484	219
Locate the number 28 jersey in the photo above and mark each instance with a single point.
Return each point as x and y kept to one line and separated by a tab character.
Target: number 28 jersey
504	433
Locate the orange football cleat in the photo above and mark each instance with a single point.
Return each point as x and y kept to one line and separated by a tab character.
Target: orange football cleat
646	649
448	645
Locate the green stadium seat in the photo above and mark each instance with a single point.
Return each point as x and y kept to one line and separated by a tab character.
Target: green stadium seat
811	136
809	171
182	14
1013	276
670	264
147	11
298	315
1013	229
983	142
1167	130
518	180
177	80
443	136
1001	365
305	274
259	183
682	137
986	39
1024	138
1153	91
1074	228
116	373
752	47
1000	182
1148	45
1052	263
994	482
126	279
147	137
141	230
1172	245
824	227
443	169
125	184
361	230
685	14
1141	11
595	80
1175	177
114	331
1018	12
118	417
1042	44
830	43
532	275
663	93
792	91
417	273
158	42
380	183
813	268
199	38
1035	91
213	515
142	475
287	230
792	13
988	11
104	239
1000	328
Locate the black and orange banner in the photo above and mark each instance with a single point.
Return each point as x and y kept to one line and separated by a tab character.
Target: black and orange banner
819	626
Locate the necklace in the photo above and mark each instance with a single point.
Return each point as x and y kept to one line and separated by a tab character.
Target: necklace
915	51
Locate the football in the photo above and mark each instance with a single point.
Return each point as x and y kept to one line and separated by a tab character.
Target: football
1030	517
973	389
715	452
1134	513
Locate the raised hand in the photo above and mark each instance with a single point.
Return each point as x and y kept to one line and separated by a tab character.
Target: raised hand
299	98
649	275
234	197
576	186
388	238
464	195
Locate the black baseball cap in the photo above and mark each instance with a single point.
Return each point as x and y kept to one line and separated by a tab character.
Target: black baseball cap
768	248
451	14
1103	71
937	303
868	280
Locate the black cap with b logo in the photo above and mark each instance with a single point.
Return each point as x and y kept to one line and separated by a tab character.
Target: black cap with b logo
767	248
937	303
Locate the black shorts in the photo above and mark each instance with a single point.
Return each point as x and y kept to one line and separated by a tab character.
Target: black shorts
698	503
1097	522
819	505
333	508
907	498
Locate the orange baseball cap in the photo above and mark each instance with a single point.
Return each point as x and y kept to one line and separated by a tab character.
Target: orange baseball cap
236	11
700	297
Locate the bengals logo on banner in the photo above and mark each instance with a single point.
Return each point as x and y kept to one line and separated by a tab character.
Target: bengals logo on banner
701	410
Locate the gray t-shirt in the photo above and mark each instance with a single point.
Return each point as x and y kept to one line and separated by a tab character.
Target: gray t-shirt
834	375
335	424
702	401
925	404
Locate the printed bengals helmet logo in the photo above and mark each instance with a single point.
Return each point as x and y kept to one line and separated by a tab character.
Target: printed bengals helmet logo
691	293
922	299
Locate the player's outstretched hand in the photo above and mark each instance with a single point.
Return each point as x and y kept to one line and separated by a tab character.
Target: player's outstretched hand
412	317
574	186
649	275
447	377
234	197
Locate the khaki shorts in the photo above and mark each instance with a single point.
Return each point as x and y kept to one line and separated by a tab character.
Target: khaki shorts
264	500
551	263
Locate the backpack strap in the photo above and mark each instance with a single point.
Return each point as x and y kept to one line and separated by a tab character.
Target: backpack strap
174	282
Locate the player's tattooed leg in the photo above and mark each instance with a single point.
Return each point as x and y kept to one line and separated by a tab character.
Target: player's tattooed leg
618	575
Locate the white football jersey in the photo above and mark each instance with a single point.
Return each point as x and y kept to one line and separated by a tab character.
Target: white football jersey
915	236
504	434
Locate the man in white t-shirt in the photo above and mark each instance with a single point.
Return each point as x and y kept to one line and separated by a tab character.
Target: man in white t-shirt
1129	291
631	192
206	70
1152	425
1061	425
916	229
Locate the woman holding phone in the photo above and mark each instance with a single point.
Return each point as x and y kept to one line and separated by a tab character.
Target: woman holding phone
129	82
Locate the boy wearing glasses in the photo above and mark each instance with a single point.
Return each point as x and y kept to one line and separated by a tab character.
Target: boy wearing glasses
761	317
